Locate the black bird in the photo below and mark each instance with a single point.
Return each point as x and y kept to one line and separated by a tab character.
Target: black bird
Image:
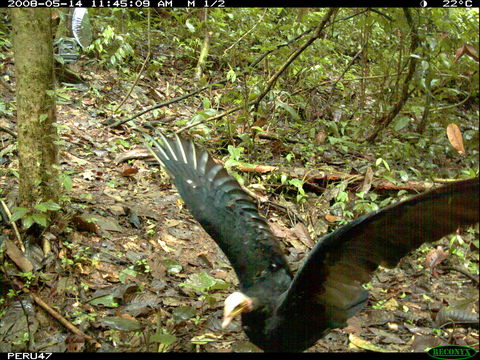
285	312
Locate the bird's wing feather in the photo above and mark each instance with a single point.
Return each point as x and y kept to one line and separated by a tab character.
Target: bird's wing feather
223	209
331	278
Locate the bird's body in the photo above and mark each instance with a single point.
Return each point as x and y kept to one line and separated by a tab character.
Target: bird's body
285	312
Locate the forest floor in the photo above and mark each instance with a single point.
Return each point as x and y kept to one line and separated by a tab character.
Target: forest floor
129	266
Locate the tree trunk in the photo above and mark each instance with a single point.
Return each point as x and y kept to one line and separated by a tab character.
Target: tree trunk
38	170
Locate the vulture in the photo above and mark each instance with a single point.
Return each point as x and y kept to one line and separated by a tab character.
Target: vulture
283	311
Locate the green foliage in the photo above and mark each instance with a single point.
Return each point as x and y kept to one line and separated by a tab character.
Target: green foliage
235	155
164	339
112	48
66	180
39	215
108	301
83	317
173	267
298	184
366	203
127	273
203	283
6	108
80	255
379	304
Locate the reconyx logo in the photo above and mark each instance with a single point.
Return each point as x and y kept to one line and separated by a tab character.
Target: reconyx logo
447	352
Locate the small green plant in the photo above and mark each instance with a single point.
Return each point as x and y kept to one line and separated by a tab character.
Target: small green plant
341	201
12	293
68	262
127	273
66	180
83	317
79	255
204	283
143	265
366	203
379	304
298	184
151	232
113	184
112	47
28	277
124	143
38	215
164	339
23	339
235	153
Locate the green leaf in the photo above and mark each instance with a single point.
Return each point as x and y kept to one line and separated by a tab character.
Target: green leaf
40	219
203	339
220	285
40	207
119	323
42	118
164	339
289	109
401	123
173	267
125	273
235	152
403	175
51	205
206	103
27	221
386	164
183	313
190	27
297	183
231	75
107	301
202	283
18	213
66	182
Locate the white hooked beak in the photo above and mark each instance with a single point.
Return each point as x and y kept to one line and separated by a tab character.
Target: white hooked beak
235	304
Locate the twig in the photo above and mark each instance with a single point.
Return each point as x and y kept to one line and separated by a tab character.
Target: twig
137	79
57	316
287	210
177	99
8	131
149	52
271	82
352	61
14	225
246	33
461	271
274	138
381	14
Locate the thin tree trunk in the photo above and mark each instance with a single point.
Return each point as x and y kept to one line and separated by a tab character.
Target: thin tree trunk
32	39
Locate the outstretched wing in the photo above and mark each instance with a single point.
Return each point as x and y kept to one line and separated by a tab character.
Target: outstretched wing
222	207
329	283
